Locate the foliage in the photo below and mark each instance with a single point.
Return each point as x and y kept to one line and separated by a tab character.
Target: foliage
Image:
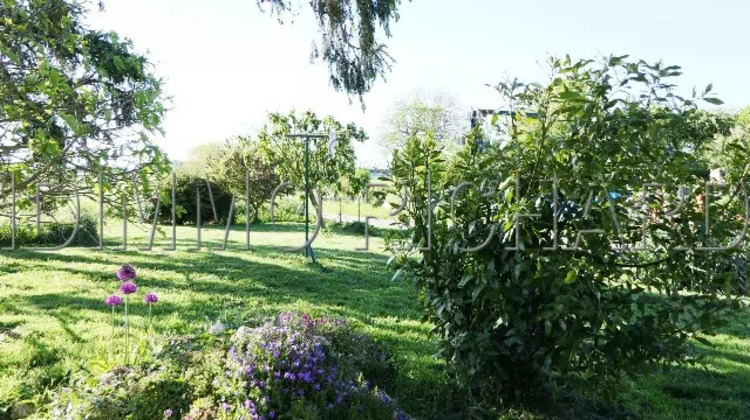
422	113
287	154
358	182
243	159
305	368
186	190
296	367
514	315
52	234
743	117
72	99
286	209
53	326
348	39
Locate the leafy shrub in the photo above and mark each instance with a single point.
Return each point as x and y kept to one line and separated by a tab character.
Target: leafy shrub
286	209
515	316
356	228
52	234
186	188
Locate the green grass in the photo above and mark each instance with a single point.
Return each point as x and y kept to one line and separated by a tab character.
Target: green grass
53	321
354	209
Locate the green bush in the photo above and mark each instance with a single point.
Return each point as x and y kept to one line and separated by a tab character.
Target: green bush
52	234
186	189
286	209
516	316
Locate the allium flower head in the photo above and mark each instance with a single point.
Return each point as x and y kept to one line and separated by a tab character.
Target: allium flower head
126	272
151	297
128	287
113	300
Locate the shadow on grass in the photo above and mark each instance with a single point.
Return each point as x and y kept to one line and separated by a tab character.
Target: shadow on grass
261	282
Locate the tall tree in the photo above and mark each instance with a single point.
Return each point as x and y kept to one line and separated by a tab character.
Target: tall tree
287	153
243	161
72	99
421	113
349	38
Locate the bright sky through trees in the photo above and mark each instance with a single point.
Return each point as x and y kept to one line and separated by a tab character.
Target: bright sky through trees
226	64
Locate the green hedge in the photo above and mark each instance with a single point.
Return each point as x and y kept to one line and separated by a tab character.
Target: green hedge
52	234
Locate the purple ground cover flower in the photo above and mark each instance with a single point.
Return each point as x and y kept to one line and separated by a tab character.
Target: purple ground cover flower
126	272
291	363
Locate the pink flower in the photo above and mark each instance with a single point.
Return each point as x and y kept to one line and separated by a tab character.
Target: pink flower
128	287
113	300
150	298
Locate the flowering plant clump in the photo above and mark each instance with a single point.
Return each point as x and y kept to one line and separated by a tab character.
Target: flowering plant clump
292	367
289	367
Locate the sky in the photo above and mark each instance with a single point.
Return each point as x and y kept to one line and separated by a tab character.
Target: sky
226	64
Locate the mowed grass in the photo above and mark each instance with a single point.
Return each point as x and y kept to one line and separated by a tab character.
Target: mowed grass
53	321
52	316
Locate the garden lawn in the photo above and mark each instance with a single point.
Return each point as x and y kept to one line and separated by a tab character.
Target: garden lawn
53	321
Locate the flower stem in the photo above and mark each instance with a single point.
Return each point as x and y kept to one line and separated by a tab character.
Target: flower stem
127	332
112	338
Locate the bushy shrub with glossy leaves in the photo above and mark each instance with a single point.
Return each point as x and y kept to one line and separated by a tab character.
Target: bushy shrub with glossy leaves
518	300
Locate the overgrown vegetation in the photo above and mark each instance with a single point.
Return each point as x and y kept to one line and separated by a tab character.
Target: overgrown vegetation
539	272
55	328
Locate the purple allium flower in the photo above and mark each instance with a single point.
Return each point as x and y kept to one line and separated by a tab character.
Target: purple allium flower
128	287
151	298
126	272
113	300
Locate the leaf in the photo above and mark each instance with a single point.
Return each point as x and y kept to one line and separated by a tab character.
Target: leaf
571	277
569	94
714	101
72	123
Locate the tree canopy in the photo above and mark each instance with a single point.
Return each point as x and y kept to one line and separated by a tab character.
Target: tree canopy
349	39
420	113
287	154
72	99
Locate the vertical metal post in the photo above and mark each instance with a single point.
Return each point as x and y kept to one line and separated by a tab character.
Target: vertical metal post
307	192
101	212
247	209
